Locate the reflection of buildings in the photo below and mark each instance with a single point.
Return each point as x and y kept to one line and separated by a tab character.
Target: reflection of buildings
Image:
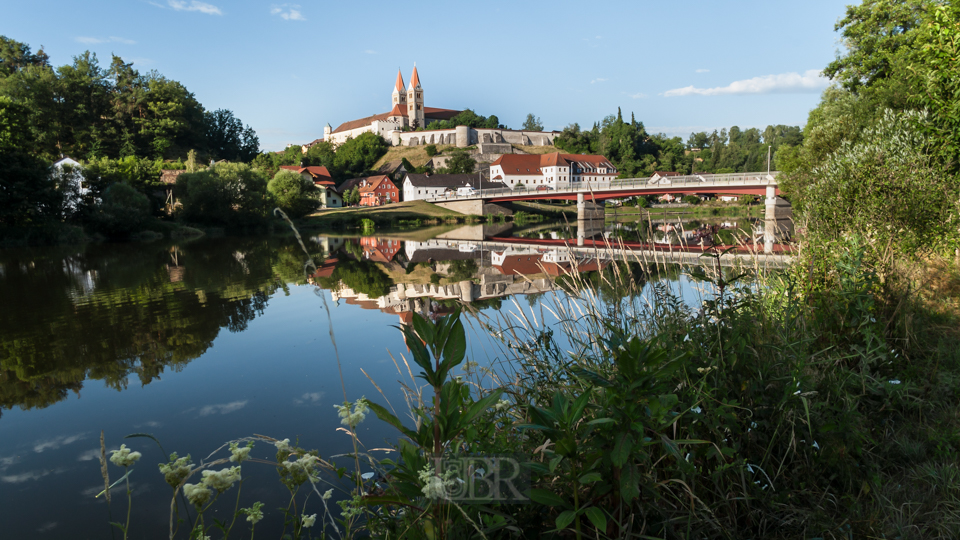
552	262
379	250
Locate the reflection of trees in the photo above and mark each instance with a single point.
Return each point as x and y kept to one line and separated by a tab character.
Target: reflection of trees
361	276
106	312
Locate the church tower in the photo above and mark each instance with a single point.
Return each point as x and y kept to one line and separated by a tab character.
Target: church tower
415	112
399	93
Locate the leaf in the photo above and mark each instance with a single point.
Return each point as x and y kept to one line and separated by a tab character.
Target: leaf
621	449
629	483
477	408
455	347
420	354
149	436
591	376
565	519
547	498
597	517
388	417
599	421
424	328
590	478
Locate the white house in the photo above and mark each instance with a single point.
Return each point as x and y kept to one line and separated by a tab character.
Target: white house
69	175
427	186
532	171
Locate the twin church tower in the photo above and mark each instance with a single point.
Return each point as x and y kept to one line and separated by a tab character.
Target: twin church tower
408	102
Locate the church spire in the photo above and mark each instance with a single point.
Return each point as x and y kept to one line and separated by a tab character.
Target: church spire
414	79
399	85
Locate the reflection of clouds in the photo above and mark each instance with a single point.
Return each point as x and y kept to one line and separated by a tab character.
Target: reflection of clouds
152	423
46	527
8	461
135	488
57	442
27	476
223	408
90	455
309	397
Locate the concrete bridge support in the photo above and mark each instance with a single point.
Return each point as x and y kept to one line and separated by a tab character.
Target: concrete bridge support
778	219
590	218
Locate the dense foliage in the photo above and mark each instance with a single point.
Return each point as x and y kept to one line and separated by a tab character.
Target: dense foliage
637	153
467	118
231	194
293	194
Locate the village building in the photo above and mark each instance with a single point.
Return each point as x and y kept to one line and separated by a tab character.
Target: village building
381	250
329	196
428	186
551	170
374	190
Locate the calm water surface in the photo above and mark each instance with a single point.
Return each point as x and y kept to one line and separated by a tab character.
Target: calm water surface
202	342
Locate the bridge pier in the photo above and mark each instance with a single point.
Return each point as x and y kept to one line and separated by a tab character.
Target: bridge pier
590	219
778	219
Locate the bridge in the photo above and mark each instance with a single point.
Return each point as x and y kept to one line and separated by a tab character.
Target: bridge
588	194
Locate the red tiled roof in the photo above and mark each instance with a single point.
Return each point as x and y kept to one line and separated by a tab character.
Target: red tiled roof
399	84
439	114
373	182
396	111
415	79
666	173
526	264
314	170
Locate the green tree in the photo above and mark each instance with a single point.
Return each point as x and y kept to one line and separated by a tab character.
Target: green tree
532	123
226	194
460	162
294	194
124	210
28	194
357	155
227	138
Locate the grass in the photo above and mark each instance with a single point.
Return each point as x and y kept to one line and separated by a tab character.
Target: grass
417	155
541	208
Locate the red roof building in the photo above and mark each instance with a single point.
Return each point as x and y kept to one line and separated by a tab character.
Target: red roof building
377	191
531	171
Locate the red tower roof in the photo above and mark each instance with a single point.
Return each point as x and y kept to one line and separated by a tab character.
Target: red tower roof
414	79
399	83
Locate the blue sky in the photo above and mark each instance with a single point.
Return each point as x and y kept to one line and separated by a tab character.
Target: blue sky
289	68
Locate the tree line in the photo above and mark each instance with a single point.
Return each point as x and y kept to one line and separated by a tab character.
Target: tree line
637	153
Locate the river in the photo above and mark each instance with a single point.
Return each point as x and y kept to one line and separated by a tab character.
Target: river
204	341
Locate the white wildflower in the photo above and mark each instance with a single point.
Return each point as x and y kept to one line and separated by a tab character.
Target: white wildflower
815	445
283	446
176	470
237	454
435	487
894	381
198	494
697	409
502	405
124	457
686	337
254	513
221	480
328	494
308	521
352	419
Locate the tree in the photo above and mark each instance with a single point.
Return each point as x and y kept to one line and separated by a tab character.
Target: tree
226	194
460	162
294	194
355	156
227	138
123	211
532	123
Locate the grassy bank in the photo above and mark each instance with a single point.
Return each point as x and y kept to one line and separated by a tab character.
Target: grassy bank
629	213
390	213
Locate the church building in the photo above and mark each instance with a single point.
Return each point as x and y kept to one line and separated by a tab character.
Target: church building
408	110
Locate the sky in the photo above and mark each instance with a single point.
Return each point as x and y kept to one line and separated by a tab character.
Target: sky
288	69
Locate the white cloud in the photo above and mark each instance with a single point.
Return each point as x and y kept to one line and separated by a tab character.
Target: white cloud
194	5
309	397
638	95
701	70
48	526
223	408
785	83
288	12
23	477
57	442
112	39
598	79
89	455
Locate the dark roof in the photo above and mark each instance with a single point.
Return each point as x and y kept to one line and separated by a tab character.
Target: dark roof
390	167
451	181
438	254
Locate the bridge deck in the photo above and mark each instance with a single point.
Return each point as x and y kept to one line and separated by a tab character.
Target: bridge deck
738	183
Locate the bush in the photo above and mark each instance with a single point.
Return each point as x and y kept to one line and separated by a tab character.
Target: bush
123	211
227	194
294	194
431	150
691	199
641	202
435	279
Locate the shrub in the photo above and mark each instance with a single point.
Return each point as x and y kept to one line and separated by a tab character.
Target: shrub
294	194
691	199
123	211
435	279
227	194
641	202
431	150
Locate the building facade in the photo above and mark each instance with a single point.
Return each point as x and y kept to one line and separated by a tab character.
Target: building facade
418	187
378	191
524	171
